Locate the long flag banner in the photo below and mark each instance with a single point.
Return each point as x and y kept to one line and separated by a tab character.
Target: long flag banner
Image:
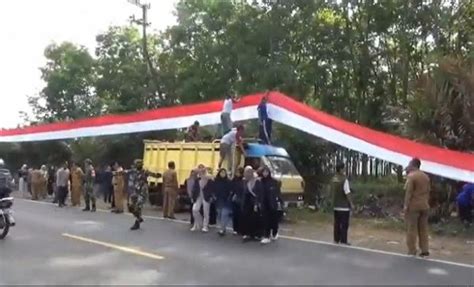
281	108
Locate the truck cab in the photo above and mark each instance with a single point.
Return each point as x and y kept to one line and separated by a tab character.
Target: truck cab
279	162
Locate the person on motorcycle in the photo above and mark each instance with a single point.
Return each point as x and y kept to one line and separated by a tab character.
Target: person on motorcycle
5	180
6	183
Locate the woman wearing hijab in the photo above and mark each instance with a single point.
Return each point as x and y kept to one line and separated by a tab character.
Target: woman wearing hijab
271	205
189	183
202	196
251	226
223	190
237	198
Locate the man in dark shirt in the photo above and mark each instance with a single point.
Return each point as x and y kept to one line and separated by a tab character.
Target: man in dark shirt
265	123
192	134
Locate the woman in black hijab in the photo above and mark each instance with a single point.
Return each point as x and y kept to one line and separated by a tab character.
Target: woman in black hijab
271	205
251	224
222	189
237	199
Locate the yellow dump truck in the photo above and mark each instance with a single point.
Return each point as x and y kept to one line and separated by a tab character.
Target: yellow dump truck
188	155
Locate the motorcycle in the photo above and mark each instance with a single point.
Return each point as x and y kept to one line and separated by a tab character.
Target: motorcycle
6	216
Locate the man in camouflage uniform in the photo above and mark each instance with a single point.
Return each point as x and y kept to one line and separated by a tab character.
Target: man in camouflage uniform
89	178
139	191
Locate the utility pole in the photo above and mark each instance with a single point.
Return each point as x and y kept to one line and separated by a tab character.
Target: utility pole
146	55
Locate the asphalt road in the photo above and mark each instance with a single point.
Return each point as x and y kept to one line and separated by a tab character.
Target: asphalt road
50	245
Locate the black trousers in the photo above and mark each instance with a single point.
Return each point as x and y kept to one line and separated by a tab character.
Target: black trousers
265	131
50	188
108	193
465	213
272	218
236	215
62	194
251	224
213	214
341	226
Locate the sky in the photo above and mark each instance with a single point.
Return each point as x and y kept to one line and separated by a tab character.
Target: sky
28	26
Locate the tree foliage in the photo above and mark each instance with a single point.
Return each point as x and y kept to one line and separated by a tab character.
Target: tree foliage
443	105
69	74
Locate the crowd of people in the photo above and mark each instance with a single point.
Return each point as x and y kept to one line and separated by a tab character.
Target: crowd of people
116	185
251	200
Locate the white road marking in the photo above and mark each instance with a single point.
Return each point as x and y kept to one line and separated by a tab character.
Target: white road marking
94	260
114	246
437	271
303	240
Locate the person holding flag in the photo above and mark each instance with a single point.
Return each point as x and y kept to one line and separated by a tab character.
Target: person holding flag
265	123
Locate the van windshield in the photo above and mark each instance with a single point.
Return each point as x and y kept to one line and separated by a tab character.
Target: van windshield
282	165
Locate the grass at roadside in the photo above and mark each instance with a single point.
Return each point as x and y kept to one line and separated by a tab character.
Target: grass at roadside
307	217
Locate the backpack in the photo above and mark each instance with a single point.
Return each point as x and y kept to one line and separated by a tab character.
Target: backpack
5	178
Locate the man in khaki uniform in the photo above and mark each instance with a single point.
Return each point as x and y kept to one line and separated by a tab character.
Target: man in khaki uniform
77	184
416	208
37	180
170	190
44	182
118	181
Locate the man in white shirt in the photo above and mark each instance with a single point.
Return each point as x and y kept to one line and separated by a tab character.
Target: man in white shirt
226	120
342	204
234	137
62	183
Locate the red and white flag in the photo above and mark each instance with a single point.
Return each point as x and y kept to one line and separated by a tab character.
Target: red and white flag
283	109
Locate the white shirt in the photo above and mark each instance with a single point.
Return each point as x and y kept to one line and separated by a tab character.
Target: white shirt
347	190
62	177
230	137
228	104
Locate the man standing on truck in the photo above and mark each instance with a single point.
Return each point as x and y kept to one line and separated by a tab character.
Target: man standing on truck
234	137
265	123
192	134
139	192
226	120
170	190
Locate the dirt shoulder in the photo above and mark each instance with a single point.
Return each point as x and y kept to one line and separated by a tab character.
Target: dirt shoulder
454	244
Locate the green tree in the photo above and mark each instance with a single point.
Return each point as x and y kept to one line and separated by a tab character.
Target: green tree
442	106
124	83
69	75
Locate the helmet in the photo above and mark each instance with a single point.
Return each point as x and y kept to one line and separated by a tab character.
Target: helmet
2	163
88	161
138	162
